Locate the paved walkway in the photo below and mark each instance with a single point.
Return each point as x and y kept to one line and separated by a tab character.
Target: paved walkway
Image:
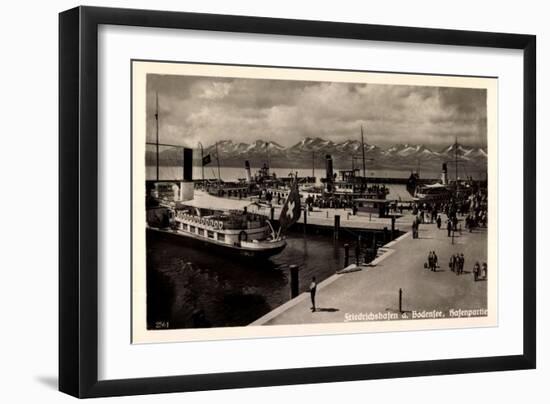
325	217
375	288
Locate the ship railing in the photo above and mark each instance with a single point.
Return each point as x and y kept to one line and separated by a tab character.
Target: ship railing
203	221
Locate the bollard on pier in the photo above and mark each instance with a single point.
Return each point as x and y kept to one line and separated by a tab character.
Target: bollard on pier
336	226
294	281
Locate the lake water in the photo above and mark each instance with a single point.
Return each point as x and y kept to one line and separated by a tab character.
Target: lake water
190	287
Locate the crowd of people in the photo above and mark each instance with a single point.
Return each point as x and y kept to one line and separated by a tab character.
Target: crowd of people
328	201
432	261
311	201
272	196
456	265
324	202
480	272
472	210
380	189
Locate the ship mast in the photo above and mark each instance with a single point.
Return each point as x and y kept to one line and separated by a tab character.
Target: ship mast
267	153
218	162
202	162
157	122
363	151
456	169
313	164
456	161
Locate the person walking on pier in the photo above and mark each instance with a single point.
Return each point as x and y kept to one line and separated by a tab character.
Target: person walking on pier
438	221
456	265
452	263
449	228
434	255
484	270
312	292
476	271
430	261
461	263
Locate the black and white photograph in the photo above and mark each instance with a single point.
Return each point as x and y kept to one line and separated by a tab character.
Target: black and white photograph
293	206
255	202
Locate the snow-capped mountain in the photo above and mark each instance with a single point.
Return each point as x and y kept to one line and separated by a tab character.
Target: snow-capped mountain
312	144
310	151
351	146
463	152
227	147
230	149
407	150
479	152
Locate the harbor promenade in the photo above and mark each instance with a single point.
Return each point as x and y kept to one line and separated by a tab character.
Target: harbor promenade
375	288
364	221
318	217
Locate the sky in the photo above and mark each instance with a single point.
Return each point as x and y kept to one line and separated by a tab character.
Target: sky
207	109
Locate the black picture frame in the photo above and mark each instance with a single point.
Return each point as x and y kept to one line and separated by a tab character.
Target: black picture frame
78	206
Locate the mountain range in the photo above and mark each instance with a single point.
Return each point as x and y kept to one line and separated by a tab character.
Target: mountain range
313	150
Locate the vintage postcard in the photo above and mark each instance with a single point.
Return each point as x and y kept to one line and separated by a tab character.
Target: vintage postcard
271	201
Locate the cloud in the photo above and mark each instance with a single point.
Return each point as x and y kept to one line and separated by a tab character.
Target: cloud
193	109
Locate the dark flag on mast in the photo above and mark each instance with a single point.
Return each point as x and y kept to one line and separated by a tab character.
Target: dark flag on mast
291	209
206	160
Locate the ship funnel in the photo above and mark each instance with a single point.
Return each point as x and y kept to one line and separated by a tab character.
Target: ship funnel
329	172
187	188
444	178
247	169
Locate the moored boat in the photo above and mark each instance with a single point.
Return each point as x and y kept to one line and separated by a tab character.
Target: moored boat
237	232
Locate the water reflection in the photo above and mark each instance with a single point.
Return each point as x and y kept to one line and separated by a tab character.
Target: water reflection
190	287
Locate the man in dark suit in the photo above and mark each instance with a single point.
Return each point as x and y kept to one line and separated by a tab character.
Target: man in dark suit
312	291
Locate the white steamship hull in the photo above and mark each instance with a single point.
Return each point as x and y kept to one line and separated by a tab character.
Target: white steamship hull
248	249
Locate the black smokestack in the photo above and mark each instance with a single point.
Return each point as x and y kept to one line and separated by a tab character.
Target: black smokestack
329	172
444	179
187	164
247	170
